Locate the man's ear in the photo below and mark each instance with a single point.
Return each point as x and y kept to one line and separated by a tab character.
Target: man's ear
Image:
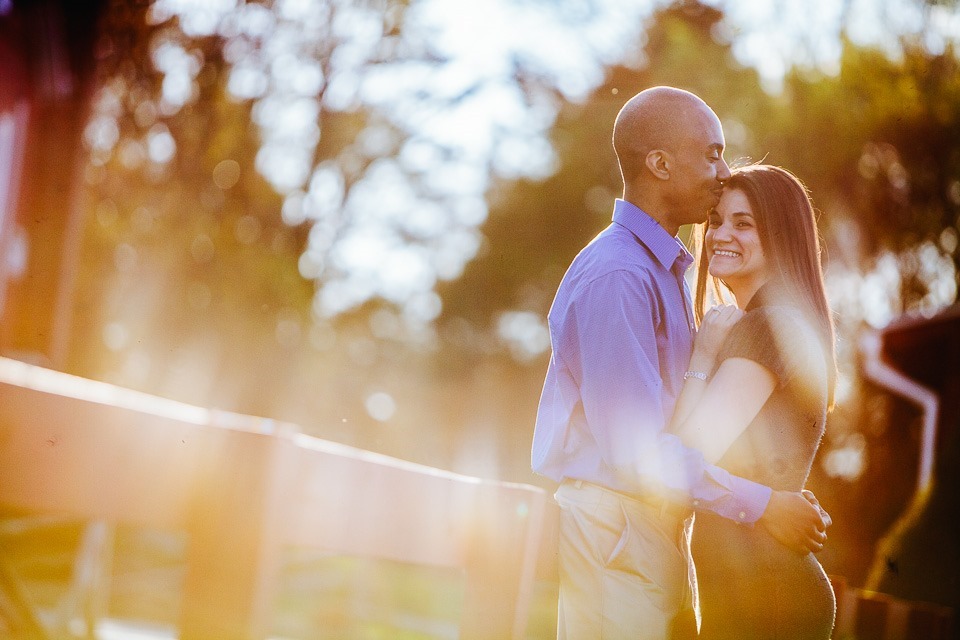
658	162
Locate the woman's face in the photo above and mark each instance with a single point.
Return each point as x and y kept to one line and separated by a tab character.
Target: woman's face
733	245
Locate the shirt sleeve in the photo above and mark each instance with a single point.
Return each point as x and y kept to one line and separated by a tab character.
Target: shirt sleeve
784	342
614	327
774	338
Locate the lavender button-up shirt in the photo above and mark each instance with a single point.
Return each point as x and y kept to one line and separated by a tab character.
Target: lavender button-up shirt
621	329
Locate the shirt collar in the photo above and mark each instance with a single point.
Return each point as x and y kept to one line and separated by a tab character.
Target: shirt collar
667	249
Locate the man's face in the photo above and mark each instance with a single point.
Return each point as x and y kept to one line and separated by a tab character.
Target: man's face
698	170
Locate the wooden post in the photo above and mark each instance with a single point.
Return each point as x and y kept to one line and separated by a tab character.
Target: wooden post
504	538
233	553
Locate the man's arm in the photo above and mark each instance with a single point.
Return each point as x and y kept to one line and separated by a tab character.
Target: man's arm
613	323
712	414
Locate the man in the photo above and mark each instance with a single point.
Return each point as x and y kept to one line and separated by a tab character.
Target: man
622	331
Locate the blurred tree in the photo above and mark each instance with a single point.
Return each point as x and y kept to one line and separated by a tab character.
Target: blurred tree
251	173
273	190
188	271
875	143
205	127
536	227
892	160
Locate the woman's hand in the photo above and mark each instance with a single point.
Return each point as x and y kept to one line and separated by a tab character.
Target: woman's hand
714	327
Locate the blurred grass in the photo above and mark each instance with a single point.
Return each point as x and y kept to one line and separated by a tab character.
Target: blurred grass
319	597
343	597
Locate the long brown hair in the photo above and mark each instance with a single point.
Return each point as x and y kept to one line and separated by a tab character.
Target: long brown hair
787	227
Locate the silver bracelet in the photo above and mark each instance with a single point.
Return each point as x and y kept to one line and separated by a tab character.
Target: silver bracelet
699	375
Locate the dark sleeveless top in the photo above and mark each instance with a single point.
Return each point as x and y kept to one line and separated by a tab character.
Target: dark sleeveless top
751	587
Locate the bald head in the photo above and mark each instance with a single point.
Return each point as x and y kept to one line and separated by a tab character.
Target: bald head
669	144
656	118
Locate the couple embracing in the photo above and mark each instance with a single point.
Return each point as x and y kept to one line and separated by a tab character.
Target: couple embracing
655	409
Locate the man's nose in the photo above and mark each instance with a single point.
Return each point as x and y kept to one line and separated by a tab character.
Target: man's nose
723	171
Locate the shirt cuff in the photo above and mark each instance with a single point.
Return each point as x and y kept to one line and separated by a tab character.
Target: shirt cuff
749	501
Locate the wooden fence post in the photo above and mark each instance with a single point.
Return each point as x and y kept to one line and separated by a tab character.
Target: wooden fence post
502	558
234	545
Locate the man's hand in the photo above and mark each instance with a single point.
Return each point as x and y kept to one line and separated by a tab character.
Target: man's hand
795	521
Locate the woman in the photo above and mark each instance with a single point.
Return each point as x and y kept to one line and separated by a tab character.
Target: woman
755	401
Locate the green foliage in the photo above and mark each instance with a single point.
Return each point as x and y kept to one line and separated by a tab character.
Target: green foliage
535	228
186	255
881	140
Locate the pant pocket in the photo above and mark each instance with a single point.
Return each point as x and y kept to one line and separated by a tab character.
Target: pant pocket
616	559
645	548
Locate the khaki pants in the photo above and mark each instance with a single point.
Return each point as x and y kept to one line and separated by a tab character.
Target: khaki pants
625	567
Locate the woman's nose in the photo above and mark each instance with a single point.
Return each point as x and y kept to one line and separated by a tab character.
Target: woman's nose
721	233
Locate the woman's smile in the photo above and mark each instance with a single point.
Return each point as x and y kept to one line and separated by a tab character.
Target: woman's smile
724	253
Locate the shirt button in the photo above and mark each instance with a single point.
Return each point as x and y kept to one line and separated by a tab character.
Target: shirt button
742	515
696	503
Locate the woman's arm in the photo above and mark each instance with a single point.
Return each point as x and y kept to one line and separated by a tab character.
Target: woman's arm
717	412
711	415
